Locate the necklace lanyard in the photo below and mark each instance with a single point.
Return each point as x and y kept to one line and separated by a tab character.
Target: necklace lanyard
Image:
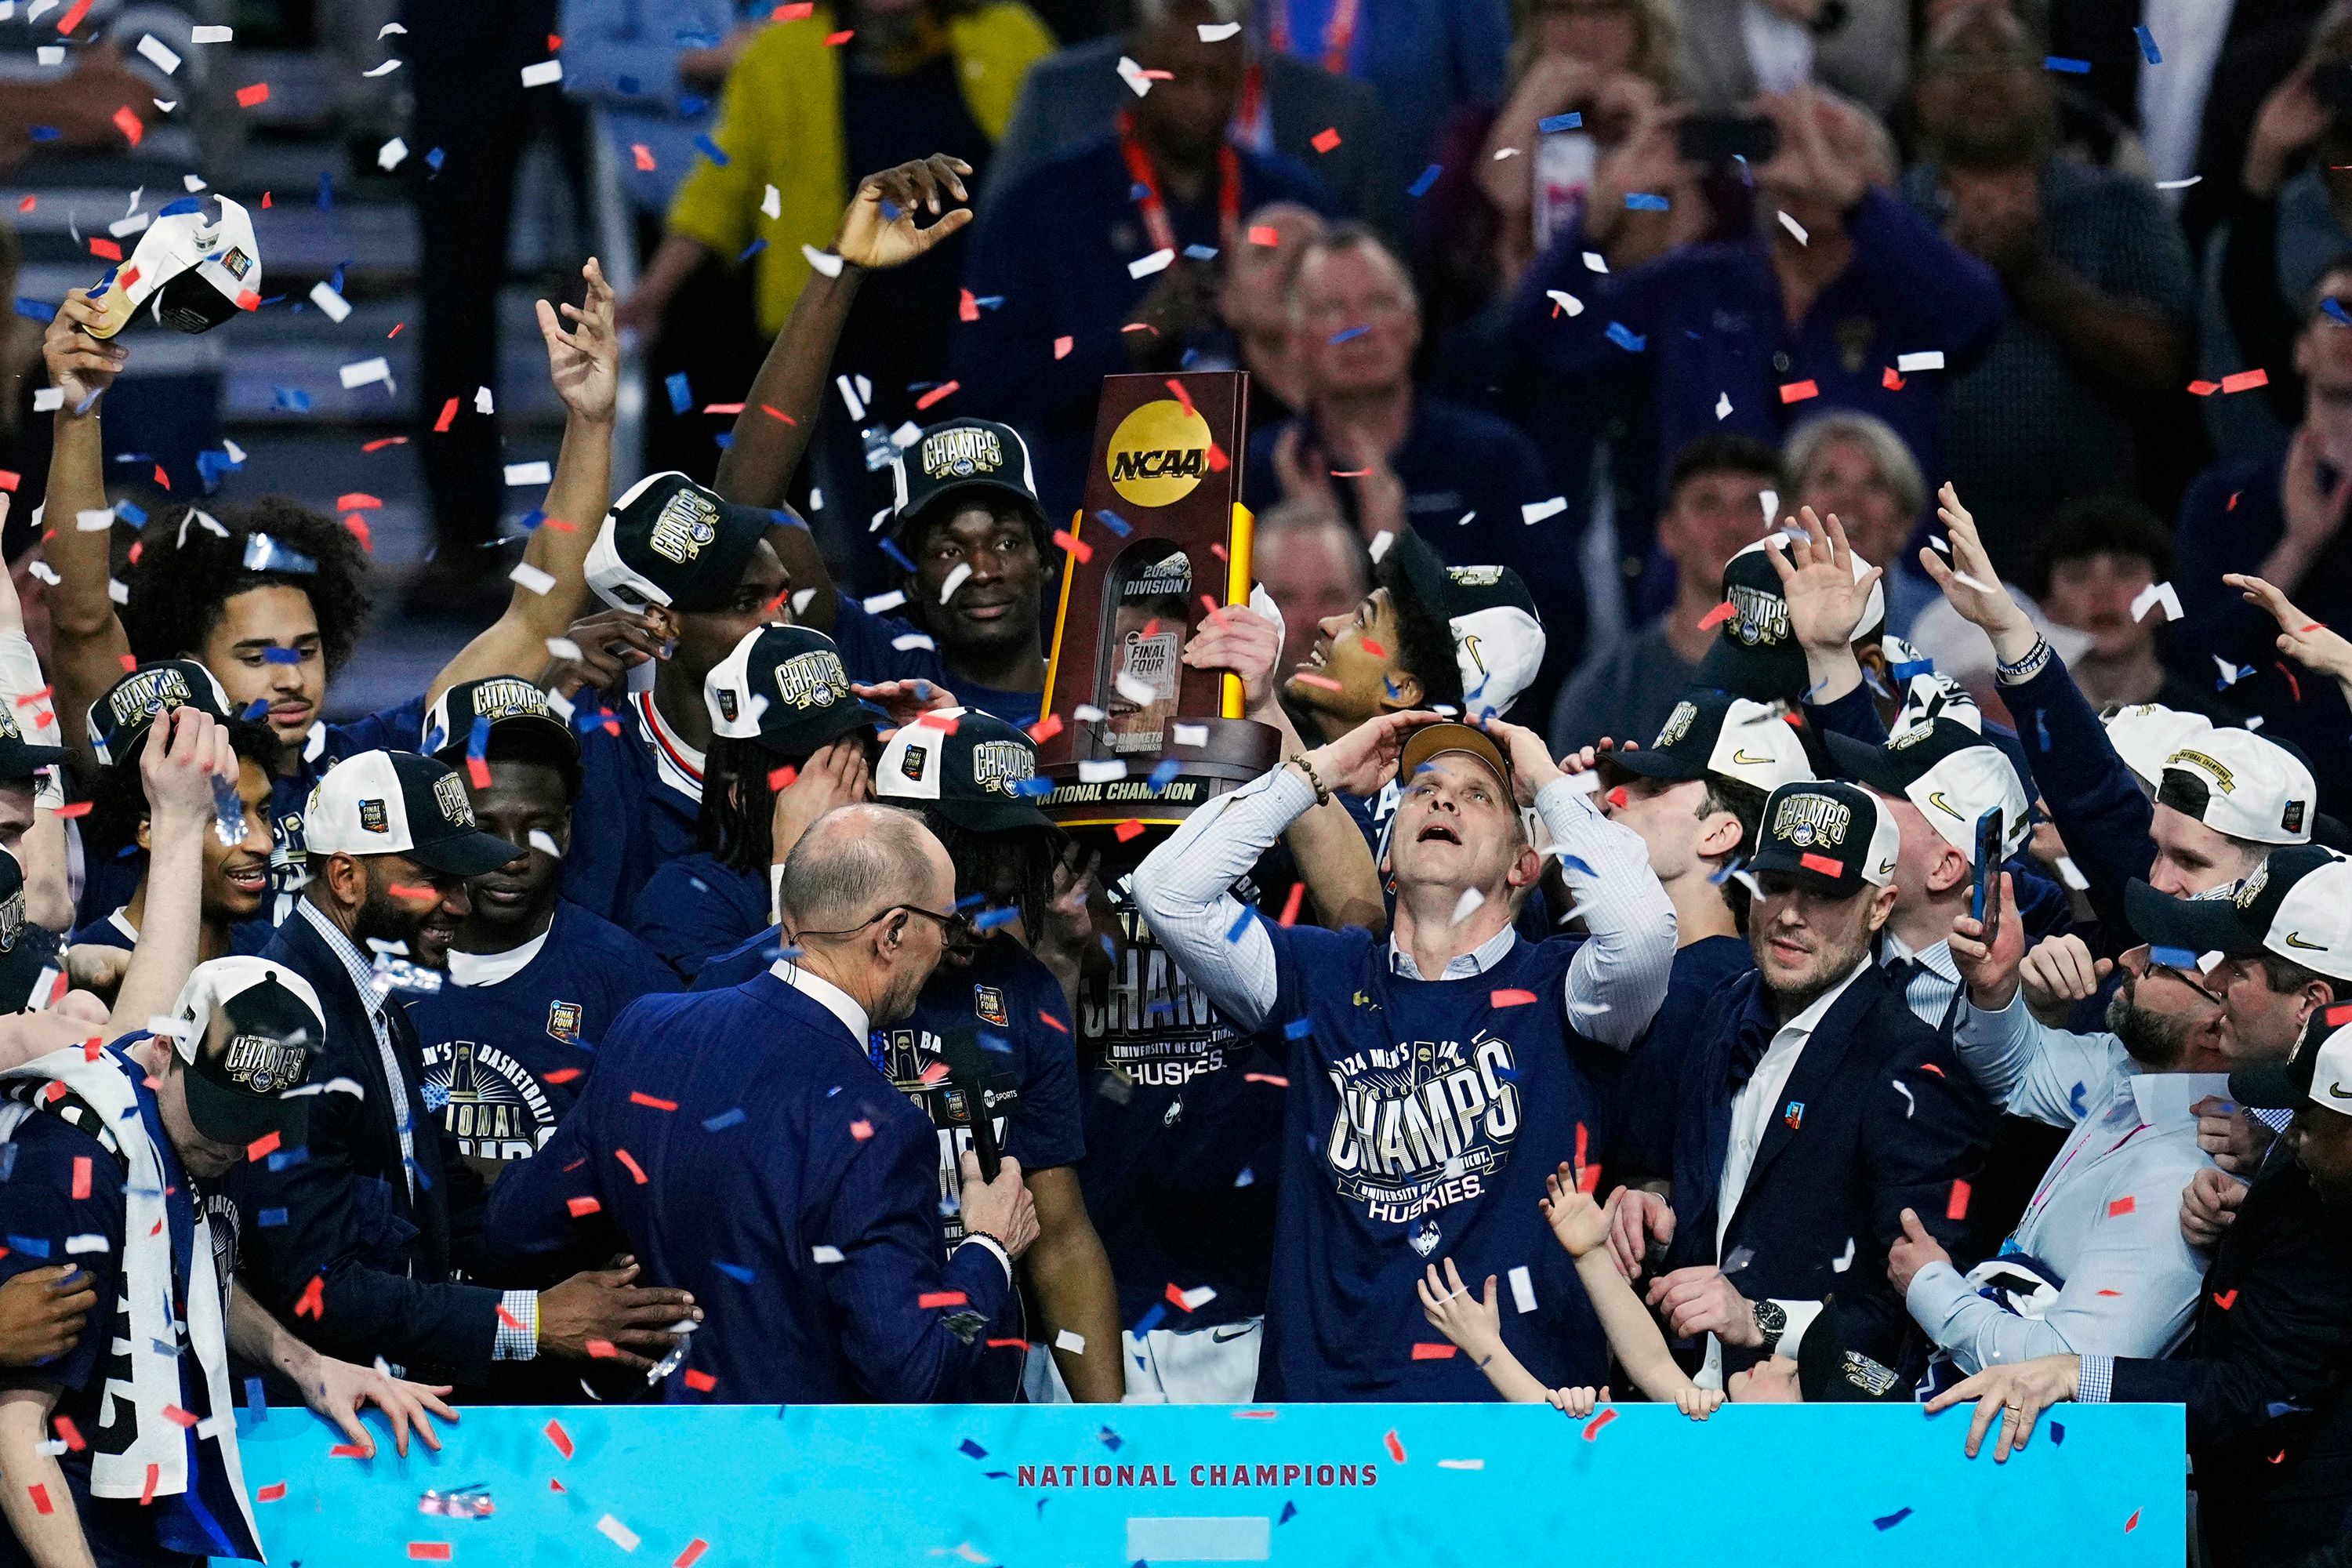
2050	1184
1154	206
1338	34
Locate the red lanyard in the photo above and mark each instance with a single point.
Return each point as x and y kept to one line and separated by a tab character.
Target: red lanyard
1249	110
1338	34
1155	206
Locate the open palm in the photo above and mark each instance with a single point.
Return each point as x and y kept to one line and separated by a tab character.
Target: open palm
879	229
1826	599
584	362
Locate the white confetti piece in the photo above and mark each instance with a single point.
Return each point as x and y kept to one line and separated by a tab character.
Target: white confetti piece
385	70
388	29
1795	230
48	399
362	372
1910	1102
850	397
1461	1464
1218	32
96	520
1537	511
771	202
2158	593
1132	74
159	53
235	453
1191	734
123	228
2072	875
1723	405
1145	266
560	705
1971	581
194	184
1567	302
331	305
1070	1341
546	846
538	473
1143	693
388	156
213	34
906	435
612	1529
1467	904
1596	262
562	648
912	640
882	604
483	401
1198	1297
1104	772
49	54
1088	713
801	600
2177	184
1939	544
1503	153
1926	359
823	1254
545	73
1587	783
532	578
1380	543
1846	1261
824	261
1523	1289
956	579
78	1244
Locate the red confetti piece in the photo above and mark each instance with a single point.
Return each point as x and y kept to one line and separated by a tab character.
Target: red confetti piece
1592	1427
1264	234
2203	388
697	1546
105	249
1062	345
1425	1351
634	1170
2244	381
930	1298
946	389
428	1551
581	1206
644	156
1325	140
725	407
782	779
700	1382
1008	1344
247	96
74	13
561	1075
1891	379
1309	677
9	479
1958	1207
1183	398
1176	1295
262	1147
28	203
2233	500
381	442
861	1129
508	1318
1510	997
358	500
1717	615
1218	461
967	307
478	772
69	1431
1821	863
346	1451
40	1496
1375	650
1619	796
163	479
2295	686
448	417
179	1417
81	1176
1276	1079
1130	830
639	1097
2133	1523
274	1493
600	1349
2339	1015
2121	1206
1290	904
147	1493
1073	544
313	1300
128	123
1931	1066
1587	1180
265	201
835	40
1798	391
2225	1299
1045	729
559	1436
1051	1022
1395	1445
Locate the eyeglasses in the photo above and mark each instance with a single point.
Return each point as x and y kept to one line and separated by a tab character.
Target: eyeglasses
955	928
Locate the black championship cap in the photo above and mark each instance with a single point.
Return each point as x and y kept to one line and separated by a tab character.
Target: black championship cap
1831	837
1712	734
510	719
1757	655
274	1029
960	455
118	721
2297	905
784	687
670	542
397	802
973	766
1828	1373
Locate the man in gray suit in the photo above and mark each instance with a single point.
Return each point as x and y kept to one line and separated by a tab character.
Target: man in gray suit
1078	92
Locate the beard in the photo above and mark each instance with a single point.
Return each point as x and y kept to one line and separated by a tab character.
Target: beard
2155	1040
386	919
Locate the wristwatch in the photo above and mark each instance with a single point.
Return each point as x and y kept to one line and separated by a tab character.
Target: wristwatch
1771	1321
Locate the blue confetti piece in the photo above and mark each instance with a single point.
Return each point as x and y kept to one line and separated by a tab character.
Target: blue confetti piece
131	513
989	1040
1165	774
971	900
2331	305
1419	187
2041	732
2148	51
478	740
291	398
286	1159
1121	527
2278	1408
2057	1433
988	920
1645	202
1910	667
891	211
723	1121
184	204
1034	788
288	656
681	395
1289	1512
735	1271
1138	190
1626	338
1241	923
973	1448
30	1246
256	711
1888	1521
2173	958
435	159
1193	252
271	1218
896	555
326	191
1298	1028
1574	863
1110	1439
628	84
749	251
1345	333
2060	63
256	1404
988	302
712	150
2075	1102
42	310
690	106
45	133
1551	122
1143	1325
532	518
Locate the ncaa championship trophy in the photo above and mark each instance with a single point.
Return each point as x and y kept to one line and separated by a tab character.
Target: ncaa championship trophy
1161	540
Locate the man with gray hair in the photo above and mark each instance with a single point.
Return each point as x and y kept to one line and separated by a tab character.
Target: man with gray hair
825	1270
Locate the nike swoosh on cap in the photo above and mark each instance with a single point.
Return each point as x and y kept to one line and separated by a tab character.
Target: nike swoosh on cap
1746	761
2295	939
1936	798
2338	1092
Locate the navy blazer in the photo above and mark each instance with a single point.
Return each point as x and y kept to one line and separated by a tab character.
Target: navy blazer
741	1145
1877	1116
348	1217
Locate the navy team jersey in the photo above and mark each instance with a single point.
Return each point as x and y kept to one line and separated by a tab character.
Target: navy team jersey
1424	1118
870	652
43	1154
1181	1118
245	938
639	807
504	1061
694	908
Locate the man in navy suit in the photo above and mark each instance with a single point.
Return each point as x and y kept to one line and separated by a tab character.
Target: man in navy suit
1816	1110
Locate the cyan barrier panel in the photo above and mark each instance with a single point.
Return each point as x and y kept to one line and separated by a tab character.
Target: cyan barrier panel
1314	1486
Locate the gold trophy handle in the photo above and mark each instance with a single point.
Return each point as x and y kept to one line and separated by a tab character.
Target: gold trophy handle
1234	702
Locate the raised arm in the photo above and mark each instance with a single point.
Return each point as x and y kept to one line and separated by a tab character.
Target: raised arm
550	585
87	648
185	751
2021	1064
1582	1228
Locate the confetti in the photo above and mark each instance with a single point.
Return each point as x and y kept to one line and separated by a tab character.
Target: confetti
1422	1351
930	1298
1145	266
1959	1206
1325	140
1395	1445
1592	1427
248	97
619	1535
2121	1206
428	1551
2060	63
1534	513
1429	177
1510	998
1889	1520
581	1206
544	73
2225	1299
2148	51
1798	391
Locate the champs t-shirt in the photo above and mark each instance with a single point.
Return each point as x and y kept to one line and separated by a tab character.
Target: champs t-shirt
1424	1118
504	1058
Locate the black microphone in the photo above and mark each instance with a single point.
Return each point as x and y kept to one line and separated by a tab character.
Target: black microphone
967	1066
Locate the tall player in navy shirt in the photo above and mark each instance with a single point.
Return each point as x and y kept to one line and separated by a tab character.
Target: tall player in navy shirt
510	1035
1436	1077
271	596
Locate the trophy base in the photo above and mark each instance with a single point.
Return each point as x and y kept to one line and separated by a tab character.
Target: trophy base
1232	753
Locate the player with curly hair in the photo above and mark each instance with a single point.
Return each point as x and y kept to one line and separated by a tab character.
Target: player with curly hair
269	596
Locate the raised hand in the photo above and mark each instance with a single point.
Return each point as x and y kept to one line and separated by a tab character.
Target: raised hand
1973	585
1991	972
1913	1251
83	366
1826	600
1531	764
1473	1322
1580	1225
1365	758
878	228
2308	642
584	362
905	701
1240	639
2059	972
835	776
1301	469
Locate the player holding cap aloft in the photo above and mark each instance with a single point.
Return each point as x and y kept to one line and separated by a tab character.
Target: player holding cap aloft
1816	1110
532	978
1375	1180
271	597
125	1144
